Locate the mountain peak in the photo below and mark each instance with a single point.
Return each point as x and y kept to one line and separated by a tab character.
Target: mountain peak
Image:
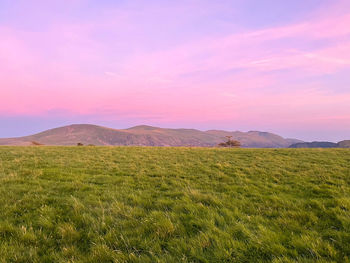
143	127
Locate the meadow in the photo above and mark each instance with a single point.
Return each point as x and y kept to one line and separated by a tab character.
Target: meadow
153	204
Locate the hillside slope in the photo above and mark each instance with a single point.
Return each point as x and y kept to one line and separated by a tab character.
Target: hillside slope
342	144
314	145
256	139
146	136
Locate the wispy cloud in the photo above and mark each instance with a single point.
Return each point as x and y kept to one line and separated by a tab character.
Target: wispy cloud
204	66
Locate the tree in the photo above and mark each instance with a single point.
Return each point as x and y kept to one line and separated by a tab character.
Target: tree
36	143
230	143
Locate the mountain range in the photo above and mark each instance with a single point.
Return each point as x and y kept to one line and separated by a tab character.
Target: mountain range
144	135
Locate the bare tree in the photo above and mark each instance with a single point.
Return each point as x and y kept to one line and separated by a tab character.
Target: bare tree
230	143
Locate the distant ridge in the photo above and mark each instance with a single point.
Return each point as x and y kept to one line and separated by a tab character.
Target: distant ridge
342	144
144	135
314	145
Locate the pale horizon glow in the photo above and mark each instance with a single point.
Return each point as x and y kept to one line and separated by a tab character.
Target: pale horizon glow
269	65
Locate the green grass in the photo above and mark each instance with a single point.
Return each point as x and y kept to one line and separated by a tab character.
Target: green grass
135	204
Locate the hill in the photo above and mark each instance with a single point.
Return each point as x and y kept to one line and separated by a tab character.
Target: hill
314	145
146	136
256	139
342	144
157	204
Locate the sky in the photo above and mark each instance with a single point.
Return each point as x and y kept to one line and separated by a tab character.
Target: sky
268	65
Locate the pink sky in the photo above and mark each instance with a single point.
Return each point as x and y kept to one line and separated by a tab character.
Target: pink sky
282	67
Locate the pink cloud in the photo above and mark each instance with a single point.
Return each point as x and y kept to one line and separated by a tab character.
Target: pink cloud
227	77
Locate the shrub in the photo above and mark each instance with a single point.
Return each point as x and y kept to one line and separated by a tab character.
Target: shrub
36	143
230	143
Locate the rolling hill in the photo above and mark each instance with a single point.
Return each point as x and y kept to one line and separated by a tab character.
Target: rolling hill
342	144
144	135
256	139
314	145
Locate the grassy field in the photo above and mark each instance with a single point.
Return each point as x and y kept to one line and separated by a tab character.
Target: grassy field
135	204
